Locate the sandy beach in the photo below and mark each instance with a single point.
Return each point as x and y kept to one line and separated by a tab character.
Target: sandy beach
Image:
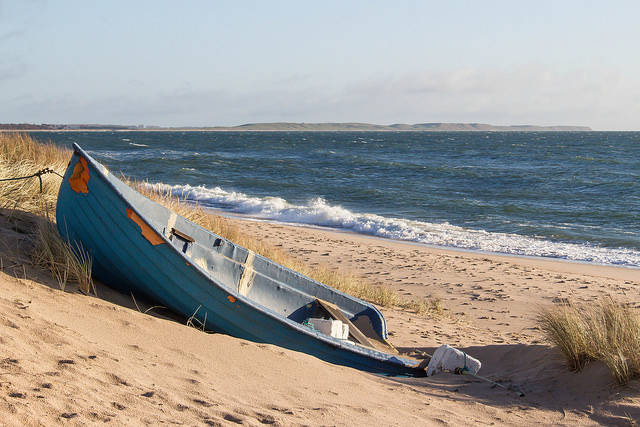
69	358
399	188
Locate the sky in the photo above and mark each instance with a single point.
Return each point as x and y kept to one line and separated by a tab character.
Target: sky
208	63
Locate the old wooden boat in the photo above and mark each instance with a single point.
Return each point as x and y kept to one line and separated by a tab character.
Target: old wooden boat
140	246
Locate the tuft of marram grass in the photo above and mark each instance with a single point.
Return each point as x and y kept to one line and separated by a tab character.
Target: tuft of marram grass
21	155
607	331
65	262
431	306
564	327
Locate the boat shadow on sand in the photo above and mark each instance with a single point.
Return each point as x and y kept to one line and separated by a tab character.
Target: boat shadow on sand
540	373
536	370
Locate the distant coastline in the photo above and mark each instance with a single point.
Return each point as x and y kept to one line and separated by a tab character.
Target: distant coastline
304	127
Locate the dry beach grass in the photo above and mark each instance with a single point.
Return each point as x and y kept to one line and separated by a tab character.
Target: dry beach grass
606	330
21	156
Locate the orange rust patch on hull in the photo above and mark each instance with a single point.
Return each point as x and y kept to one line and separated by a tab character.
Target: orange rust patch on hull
80	177
231	298
146	231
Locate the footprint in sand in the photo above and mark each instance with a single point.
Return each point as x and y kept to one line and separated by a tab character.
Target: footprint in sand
69	415
266	418
286	411
233	418
116	380
204	403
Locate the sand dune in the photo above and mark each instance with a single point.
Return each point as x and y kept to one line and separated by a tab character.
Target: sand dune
71	358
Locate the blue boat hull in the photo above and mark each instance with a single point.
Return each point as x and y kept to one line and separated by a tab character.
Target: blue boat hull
137	245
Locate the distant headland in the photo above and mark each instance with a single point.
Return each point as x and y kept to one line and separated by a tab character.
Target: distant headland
424	127
286	126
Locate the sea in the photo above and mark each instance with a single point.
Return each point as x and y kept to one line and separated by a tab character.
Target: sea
565	195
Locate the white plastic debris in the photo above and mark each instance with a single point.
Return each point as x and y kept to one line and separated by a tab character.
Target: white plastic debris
335	328
447	358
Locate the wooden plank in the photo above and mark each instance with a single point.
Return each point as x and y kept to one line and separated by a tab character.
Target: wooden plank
337	314
182	235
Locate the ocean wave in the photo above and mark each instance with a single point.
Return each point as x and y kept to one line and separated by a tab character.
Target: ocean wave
136	155
318	212
138	145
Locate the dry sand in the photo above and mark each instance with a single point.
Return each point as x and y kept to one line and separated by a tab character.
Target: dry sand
67	358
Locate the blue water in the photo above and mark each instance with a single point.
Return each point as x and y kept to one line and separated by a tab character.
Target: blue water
570	195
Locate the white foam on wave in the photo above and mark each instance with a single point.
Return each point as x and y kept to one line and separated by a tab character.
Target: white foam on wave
138	145
318	212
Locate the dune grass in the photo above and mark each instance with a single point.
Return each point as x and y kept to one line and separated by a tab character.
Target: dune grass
606	330
21	155
54	254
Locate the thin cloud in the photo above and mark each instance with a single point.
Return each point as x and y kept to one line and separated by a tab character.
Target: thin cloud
11	71
11	35
521	95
